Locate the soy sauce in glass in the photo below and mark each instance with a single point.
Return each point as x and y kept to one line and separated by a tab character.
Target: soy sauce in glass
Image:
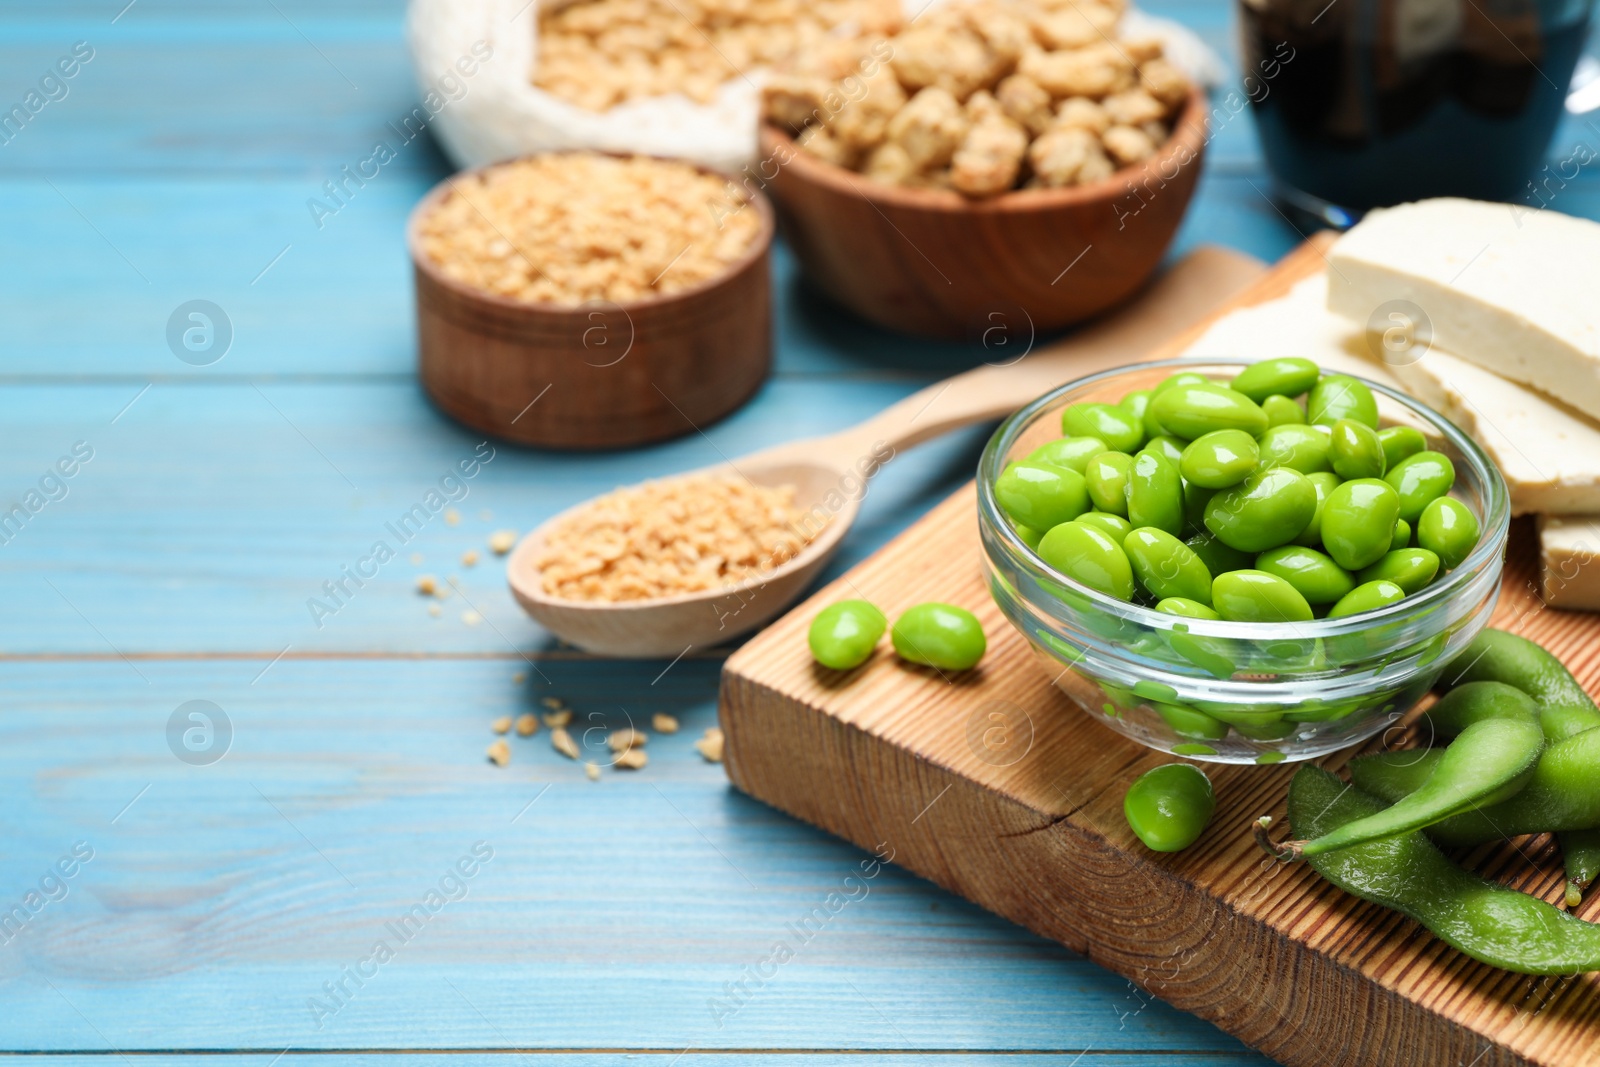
1384	101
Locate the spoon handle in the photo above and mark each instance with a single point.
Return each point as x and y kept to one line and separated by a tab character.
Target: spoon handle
1177	299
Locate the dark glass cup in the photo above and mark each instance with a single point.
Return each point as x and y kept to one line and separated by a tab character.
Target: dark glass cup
1367	103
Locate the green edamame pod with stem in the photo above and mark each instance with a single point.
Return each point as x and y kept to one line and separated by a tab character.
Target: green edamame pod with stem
1476	701
1491	761
1580	852
1497	656
1494	925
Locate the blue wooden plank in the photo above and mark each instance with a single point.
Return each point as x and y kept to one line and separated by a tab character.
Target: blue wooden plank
211	515
669	1058
219	898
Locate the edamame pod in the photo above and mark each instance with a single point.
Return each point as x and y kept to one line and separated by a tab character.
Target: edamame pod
1420	480
1193	411
1106	478
1155	493
1448	528
1409	568
1339	396
1497	656
1089	555
1490	923
1285	376
1073	452
1114	425
1491	761
1041	495
1355	451
1476	701
1580	852
1219	459
1167	567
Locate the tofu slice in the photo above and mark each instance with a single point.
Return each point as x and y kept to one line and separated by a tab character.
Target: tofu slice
1569	562
1506	287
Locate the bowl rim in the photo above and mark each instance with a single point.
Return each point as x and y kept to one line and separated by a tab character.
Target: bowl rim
1494	524
1191	134
758	249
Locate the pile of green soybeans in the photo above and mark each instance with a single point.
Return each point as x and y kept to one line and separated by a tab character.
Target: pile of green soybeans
1242	501
1522	756
844	635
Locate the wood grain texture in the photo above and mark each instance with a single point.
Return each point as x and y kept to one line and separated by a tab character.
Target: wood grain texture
935	264
895	758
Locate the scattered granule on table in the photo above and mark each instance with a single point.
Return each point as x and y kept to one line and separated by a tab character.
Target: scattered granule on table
527	725
675	536
592	771
502	541
452	516
563	743
710	745
501	725
427	584
557	719
471	617
553	703
435	610
632	759
574	227
518	678
626	738
499	752
469	558
662	723
416	559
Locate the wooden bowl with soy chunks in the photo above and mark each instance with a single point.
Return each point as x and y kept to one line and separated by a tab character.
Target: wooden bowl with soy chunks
1016	168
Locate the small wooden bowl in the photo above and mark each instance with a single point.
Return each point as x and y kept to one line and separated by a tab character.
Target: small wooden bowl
931	262
599	375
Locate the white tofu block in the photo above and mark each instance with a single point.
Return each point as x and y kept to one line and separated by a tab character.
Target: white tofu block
1569	562
1510	289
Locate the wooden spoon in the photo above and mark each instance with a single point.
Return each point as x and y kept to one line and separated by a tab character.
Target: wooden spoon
830	473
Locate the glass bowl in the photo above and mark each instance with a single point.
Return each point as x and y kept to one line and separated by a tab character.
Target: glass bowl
1236	692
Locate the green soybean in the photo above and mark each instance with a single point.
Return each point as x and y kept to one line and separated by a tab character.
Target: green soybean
1219	459
1187	722
1402	535
1490	923
1167	567
1256	596
1115	525
1421	479
1477	701
843	635
1355	451
1168	808
1369	596
1041	495
1088	554
1400	442
937	635
1409	568
1314	574
1029	535
1188	609
1565	708
1448	528
1339	396
1172	381
1267	509
1324	482
1073	452
1193	411
1286	376
1281	411
1218	557
1114	425
1491	761
1136	402
1106	478
1167	445
1358	522
1298	447
1155	493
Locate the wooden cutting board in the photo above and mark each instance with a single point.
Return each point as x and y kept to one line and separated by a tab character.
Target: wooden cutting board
998	788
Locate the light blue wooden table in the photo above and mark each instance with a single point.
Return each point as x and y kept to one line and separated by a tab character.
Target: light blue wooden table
223	913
